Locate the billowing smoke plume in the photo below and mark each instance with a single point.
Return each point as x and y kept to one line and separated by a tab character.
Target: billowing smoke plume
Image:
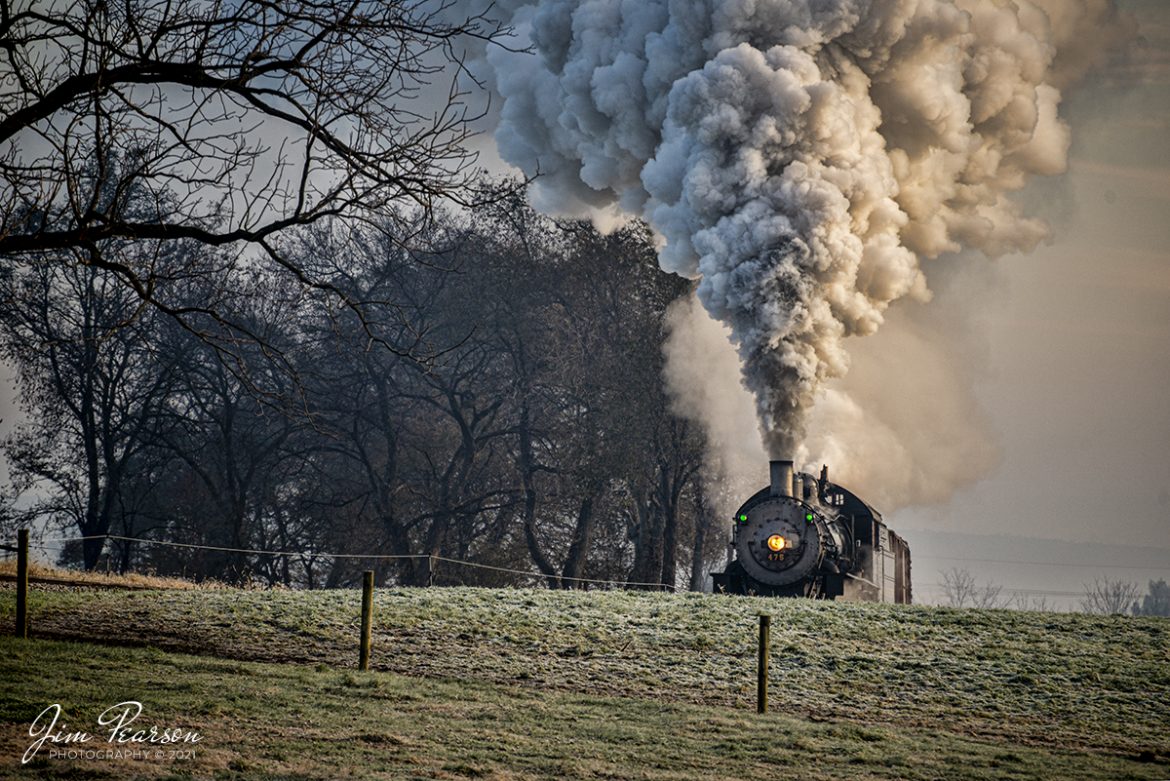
799	156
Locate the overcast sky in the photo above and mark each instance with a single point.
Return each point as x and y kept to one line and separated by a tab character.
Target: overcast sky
1068	347
1071	357
1077	365
1066	350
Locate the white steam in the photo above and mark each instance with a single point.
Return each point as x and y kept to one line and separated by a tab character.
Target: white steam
704	379
800	157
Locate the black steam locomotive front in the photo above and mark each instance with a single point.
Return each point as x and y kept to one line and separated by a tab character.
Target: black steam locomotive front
789	541
807	537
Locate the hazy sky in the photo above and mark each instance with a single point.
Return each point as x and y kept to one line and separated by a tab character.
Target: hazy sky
1062	355
1076	373
1069	345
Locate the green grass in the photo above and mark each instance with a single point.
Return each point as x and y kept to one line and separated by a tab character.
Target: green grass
273	721
859	691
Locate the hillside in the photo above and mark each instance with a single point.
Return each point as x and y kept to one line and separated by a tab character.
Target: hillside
1058	686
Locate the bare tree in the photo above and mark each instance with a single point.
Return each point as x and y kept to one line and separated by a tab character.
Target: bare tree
93	390
1035	604
961	590
1108	597
958	586
540	441
707	544
245	119
990	595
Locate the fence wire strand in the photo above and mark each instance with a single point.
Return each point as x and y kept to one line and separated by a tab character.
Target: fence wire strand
45	545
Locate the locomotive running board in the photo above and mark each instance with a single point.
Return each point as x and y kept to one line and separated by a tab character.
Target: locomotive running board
863	580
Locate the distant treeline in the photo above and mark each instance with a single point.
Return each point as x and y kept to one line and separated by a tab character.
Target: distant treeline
484	387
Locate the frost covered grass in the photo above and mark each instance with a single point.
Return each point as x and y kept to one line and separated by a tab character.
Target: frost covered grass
280	721
1050	682
68	578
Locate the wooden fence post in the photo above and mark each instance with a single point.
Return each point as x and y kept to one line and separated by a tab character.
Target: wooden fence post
367	618
762	666
22	583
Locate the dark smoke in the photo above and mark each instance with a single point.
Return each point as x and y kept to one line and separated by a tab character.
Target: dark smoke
801	157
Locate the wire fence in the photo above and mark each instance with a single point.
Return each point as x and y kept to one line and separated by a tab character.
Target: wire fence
47	545
366	619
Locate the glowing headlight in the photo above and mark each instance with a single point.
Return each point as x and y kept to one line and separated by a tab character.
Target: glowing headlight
777	543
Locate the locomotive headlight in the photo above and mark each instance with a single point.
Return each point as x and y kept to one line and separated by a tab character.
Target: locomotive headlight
777	543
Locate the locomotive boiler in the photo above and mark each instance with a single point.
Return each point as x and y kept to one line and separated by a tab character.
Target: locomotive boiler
803	536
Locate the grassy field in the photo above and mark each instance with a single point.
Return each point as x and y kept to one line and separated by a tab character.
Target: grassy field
531	684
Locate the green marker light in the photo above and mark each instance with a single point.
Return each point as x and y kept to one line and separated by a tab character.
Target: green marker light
808	517
743	517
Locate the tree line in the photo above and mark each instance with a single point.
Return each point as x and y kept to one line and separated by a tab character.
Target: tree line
240	317
1104	596
495	397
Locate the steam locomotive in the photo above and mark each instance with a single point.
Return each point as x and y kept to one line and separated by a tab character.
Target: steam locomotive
807	537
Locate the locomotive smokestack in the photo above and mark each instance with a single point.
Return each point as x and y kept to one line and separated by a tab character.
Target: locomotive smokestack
781	473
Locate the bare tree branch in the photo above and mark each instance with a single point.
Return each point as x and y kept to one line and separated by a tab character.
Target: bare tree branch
1107	597
243	119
